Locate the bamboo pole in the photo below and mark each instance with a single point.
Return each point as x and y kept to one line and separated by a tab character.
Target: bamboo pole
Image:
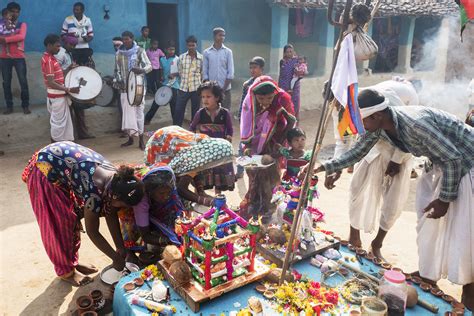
323	122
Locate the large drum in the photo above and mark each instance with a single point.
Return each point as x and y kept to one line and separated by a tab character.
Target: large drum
163	95
135	88
105	96
88	80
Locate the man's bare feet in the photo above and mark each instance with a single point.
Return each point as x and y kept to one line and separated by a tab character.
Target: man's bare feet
355	242
76	278
417	273
376	251
86	268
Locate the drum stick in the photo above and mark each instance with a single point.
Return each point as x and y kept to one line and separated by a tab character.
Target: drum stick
431	307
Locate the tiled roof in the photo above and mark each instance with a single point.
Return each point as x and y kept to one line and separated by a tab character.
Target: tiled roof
387	7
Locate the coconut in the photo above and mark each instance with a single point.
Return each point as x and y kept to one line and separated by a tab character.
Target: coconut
267	160
412	296
277	236
274	276
180	272
171	254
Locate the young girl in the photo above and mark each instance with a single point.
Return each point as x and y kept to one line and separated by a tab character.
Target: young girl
215	121
295	156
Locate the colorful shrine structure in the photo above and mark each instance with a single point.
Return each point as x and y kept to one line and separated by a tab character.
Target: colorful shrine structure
218	245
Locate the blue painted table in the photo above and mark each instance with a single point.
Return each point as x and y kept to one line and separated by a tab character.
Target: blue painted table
235	300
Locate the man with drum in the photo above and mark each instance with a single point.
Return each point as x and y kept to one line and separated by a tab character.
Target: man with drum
80	26
131	62
58	107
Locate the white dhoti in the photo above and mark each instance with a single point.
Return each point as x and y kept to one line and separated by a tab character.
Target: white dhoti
446	245
376	198
60	119
133	117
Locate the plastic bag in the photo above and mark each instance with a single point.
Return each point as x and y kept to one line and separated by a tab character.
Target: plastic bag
365	47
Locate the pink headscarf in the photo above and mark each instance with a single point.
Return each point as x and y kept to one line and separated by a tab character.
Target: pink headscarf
70	39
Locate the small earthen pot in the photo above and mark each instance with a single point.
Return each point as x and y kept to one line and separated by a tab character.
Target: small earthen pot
269	294
344	242
448	313
129	286
457	305
338	238
369	256
138	282
386	265
437	292
354	312
416	279
98	298
458	311
89	313
361	252
447	298
84	304
425	286
261	288
377	261
398	270
343	271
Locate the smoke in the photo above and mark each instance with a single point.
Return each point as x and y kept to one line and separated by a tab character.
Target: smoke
446	89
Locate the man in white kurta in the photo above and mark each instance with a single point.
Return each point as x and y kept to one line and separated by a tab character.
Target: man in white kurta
381	181
131	57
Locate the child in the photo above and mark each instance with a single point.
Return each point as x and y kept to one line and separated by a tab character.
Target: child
7	27
256	66
154	77
296	156
301	69
215	121
170	77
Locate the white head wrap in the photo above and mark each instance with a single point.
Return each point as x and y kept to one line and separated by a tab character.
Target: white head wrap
365	112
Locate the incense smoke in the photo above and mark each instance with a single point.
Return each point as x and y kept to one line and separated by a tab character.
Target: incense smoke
448	91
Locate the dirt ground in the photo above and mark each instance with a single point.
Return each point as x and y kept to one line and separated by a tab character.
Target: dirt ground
29	285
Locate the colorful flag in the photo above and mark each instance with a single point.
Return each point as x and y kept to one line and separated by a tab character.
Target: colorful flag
466	8
344	86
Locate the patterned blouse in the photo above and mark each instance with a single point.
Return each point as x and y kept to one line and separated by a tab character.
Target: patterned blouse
72	167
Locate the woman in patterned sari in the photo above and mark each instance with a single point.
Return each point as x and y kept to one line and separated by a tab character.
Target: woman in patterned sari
67	182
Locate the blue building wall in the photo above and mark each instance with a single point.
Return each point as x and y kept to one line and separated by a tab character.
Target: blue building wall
47	16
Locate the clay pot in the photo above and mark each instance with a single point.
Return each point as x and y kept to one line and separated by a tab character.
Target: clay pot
425	286
377	261
344	242
386	265
416	279
447	298
369	256
129	286
398	270
354	312
261	288
269	294
138	282
457	305
84	304
361	252
98	298
89	313
458	311
437	292
448	314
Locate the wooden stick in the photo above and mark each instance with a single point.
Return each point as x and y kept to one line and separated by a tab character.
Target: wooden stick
318	140
431	307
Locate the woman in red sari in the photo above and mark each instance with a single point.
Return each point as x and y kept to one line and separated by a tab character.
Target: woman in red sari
267	116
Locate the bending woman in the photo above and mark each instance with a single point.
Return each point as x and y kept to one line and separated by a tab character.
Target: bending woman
159	208
67	182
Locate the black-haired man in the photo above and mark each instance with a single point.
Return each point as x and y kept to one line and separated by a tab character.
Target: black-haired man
12	55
